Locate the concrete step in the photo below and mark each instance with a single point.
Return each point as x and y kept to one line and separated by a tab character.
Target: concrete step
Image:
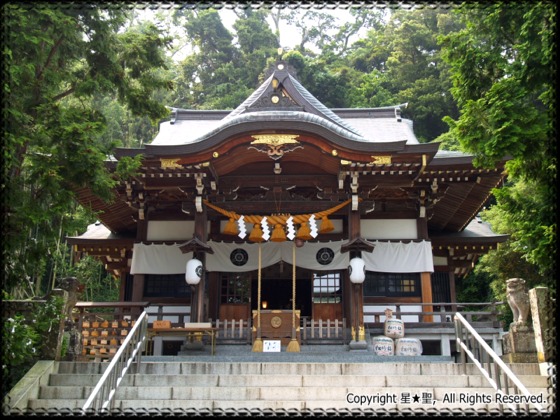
245	368
286	380
180	386
137	398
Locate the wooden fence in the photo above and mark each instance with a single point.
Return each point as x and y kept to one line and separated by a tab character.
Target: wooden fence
312	331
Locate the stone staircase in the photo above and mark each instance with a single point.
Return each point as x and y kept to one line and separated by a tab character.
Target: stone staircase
236	387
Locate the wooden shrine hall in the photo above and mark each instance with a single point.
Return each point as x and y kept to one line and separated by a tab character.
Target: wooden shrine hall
276	199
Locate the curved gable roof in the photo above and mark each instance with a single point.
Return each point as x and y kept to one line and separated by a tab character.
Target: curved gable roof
281	98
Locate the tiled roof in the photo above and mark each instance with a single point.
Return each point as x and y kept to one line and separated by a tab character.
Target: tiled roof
378	130
373	125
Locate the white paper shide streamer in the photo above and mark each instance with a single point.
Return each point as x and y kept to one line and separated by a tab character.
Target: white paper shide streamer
242	229
265	229
313	226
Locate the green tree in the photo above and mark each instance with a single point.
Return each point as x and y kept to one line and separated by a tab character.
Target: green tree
224	68
502	69
256	43
56	60
209	76
401	62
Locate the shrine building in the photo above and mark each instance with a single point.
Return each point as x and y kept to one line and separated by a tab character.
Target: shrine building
278	197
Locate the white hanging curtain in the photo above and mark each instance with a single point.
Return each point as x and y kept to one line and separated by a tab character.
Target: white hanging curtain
237	258
232	257
387	257
317	256
399	257
158	259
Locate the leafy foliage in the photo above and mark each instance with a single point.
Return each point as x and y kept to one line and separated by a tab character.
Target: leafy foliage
23	339
58	60
501	65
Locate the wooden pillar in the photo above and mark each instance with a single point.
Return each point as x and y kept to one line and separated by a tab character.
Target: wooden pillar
198	300
122	284
422	228
138	288
213	295
138	279
426	280
357	301
452	288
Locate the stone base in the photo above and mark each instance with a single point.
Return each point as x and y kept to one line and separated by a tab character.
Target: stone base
358	345
519	345
520	358
519	341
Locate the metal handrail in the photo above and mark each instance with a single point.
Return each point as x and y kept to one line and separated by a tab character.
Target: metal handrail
102	396
497	373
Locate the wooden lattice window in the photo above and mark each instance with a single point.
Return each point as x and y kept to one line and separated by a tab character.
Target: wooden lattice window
392	284
164	285
326	287
236	287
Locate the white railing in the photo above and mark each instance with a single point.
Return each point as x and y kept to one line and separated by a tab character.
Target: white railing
102	397
494	369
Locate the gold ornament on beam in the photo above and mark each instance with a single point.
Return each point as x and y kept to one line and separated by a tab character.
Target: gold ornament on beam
275	139
380	160
275	145
170	163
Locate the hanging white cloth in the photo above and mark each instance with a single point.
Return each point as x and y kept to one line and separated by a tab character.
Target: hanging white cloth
399	257
387	257
158	259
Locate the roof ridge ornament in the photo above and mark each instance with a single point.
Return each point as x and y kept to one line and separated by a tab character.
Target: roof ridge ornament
281	66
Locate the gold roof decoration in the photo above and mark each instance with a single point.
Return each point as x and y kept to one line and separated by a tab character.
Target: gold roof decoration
170	163
275	139
275	145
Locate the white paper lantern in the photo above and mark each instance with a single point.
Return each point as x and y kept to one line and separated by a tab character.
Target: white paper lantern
193	273
357	270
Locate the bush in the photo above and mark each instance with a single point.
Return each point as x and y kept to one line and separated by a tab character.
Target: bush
24	338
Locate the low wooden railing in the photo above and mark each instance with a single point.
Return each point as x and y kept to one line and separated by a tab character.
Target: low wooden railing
108	310
441	316
312	330
177	313
323	331
232	330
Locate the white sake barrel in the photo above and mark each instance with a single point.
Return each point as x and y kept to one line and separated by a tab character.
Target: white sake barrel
394	328
383	346
408	347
